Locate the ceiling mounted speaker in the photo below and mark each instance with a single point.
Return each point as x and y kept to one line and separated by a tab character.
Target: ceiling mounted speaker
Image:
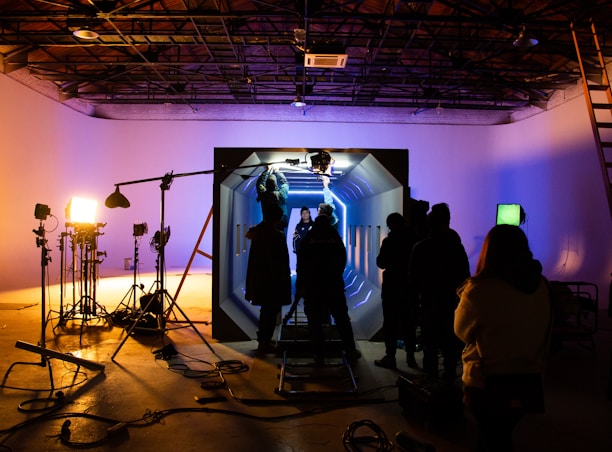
325	60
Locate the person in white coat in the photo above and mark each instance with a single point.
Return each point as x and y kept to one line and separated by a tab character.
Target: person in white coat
504	319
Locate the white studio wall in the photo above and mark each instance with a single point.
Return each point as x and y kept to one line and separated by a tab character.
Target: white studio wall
547	164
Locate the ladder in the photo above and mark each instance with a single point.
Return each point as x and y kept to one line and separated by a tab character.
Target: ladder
196	250
596	85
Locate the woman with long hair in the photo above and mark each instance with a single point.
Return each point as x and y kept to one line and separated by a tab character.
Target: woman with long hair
503	317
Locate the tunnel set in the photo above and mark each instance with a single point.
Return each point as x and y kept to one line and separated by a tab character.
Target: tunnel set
367	185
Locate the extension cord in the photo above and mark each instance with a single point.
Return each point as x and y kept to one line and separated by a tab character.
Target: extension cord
204	400
117	429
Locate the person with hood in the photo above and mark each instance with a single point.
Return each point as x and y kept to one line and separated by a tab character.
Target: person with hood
438	266
504	319
273	188
268	278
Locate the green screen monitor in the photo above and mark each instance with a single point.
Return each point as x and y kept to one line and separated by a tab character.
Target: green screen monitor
510	214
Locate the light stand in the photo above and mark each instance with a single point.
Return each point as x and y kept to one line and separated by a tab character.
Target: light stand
46	355
62	244
161	293
62	248
116	199
155	242
131	293
87	307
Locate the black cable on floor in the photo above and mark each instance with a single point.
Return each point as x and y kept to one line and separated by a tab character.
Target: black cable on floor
378	438
155	416
28	406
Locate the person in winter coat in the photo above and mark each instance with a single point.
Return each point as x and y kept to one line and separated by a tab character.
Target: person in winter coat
438	266
268	278
320	268
399	311
273	188
504	319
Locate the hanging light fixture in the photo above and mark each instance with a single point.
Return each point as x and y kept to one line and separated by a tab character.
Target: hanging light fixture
116	199
81	27
85	33
298	102
525	39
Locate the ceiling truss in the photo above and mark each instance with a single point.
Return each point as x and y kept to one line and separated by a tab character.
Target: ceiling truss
455	55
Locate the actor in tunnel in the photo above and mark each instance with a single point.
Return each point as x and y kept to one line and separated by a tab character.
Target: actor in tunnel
302	228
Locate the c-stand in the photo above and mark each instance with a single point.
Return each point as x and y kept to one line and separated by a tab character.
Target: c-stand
41	214
62	247
161	294
131	293
87	308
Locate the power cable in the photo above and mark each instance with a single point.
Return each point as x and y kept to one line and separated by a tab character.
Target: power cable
152	417
379	439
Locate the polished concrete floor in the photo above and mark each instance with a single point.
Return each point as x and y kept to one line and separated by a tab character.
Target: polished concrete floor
183	390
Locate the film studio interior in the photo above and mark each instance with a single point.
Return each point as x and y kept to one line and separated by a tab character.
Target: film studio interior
135	138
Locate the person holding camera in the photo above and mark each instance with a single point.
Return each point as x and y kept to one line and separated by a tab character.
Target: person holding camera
273	188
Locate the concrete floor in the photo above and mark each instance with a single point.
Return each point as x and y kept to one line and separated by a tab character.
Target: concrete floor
227	399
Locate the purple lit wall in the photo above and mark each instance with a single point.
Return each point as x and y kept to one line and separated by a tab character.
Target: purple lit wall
547	163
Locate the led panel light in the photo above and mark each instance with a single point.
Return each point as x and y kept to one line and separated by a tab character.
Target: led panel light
81	210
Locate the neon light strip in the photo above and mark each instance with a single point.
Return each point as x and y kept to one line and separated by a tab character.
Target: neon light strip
365	300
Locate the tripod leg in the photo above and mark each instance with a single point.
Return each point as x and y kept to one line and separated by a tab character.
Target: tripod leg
131	293
172	304
133	326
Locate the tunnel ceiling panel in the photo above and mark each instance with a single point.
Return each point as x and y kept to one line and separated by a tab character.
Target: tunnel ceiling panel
365	180
295	165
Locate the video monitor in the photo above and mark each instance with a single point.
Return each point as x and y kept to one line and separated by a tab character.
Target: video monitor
510	214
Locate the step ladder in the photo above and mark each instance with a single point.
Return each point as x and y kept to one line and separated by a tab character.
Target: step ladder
300	374
596	85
